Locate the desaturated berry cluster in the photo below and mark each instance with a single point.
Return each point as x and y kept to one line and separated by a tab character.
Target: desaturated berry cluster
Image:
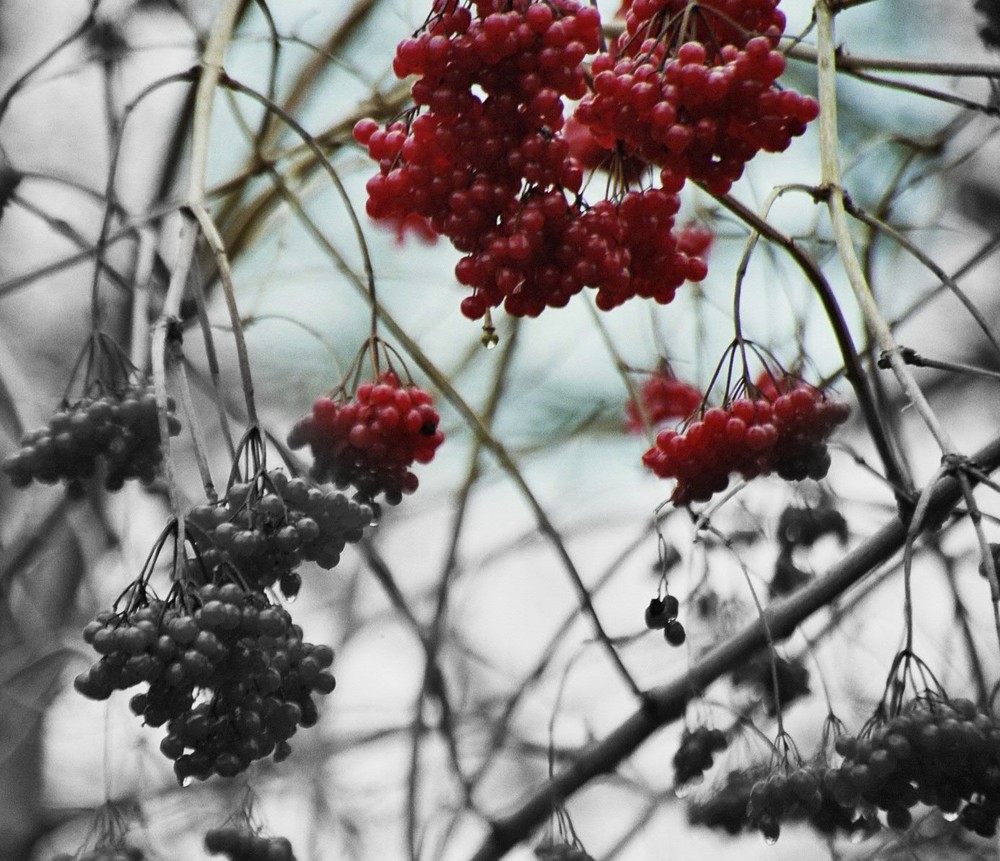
370	441
265	528
725	808
104	853
782	797
661	614
120	430
661	397
561	851
758	674
240	844
936	752
803	527
698	103
696	754
786	435
228	673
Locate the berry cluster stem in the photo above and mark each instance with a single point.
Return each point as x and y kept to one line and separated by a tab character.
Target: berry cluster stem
834	192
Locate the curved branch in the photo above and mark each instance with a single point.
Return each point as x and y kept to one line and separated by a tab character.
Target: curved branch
668	702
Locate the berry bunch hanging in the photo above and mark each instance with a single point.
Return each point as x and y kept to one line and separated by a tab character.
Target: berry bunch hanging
783	797
228	673
119	429
939	752
691	89
265	528
696	753
561	851
371	440
661	614
661	397
488	165
786	435
241	844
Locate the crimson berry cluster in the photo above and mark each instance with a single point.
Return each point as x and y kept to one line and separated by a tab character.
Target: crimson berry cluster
662	397
936	752
785	435
228	673
265	528
240	844
370	441
692	90
496	175
119	428
696	753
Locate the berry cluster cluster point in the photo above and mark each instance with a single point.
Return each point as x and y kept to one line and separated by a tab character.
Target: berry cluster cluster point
694	92
661	614
758	674
488	164
695	239
121	429
265	528
696	754
713	23
561	852
231	679
788	797
370	441
694	115
242	845
785	435
662	397
592	155
725	807
936	752
491	86
104	853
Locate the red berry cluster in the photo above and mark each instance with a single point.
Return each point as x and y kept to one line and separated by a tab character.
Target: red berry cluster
696	754
120	429
411	224
493	173
936	752
371	440
265	528
662	397
704	109
786	435
232	678
628	170
104	853
240	844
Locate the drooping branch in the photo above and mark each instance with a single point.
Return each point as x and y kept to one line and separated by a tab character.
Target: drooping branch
667	703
